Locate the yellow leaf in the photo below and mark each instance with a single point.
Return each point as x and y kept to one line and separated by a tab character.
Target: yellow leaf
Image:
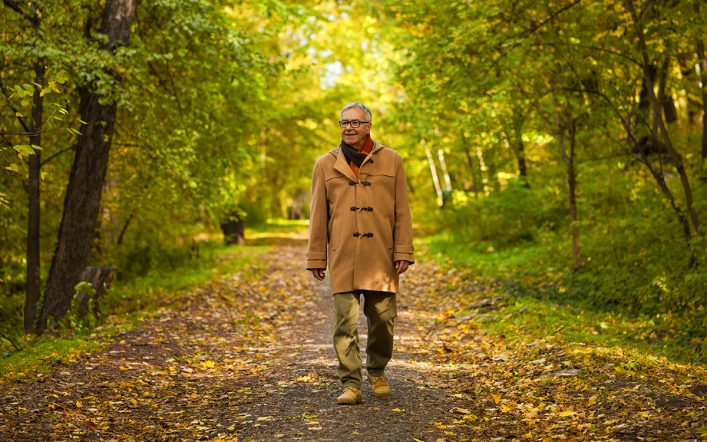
505	408
593	400
208	364
311	377
79	404
457	410
566	413
497	398
398	410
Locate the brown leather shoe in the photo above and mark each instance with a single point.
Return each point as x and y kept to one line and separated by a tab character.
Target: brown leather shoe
381	387
350	396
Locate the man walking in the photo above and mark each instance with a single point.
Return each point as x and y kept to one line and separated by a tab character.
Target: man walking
360	226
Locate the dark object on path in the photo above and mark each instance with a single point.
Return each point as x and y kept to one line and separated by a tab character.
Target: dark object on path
233	229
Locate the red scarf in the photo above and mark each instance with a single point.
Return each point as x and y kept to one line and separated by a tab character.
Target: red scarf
366	148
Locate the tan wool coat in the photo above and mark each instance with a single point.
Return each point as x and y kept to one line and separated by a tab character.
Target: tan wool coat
360	226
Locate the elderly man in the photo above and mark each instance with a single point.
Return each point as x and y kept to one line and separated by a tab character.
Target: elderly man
360	226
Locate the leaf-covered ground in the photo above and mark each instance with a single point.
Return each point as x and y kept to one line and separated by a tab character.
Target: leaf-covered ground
249	357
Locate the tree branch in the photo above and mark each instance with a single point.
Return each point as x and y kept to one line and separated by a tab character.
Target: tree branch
54	155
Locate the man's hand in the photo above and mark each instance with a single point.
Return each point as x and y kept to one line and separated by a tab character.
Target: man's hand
319	274
401	266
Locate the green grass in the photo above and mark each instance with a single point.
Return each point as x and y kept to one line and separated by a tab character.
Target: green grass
130	302
157	289
537	304
41	355
280	225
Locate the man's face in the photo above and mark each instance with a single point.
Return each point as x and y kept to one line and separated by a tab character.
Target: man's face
354	136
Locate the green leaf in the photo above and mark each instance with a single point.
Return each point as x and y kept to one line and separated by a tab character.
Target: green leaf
24	149
85	287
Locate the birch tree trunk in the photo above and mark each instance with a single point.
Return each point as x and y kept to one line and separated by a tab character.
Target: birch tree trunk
435	177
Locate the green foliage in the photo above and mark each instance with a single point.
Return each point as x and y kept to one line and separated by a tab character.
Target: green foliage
627	269
507	217
561	87
226	106
152	253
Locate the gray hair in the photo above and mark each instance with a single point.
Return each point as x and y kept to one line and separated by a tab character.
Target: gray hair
361	106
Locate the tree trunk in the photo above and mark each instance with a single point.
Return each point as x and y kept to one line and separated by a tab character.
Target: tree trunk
100	278
663	186
703	84
473	179
572	186
447	191
571	175
518	146
665	99
435	177
491	169
515	145
522	166
121	235
83	193
484	172
33	292
660	122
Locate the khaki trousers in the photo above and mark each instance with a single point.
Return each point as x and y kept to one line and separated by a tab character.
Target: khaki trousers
380	311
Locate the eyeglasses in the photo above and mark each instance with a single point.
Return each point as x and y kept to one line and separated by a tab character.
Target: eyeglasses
353	123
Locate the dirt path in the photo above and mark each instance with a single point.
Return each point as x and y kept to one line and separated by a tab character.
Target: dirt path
250	358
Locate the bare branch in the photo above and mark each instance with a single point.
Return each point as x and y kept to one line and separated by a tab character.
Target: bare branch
54	155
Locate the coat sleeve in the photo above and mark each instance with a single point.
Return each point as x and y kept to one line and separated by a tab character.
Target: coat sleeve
403	249
318	222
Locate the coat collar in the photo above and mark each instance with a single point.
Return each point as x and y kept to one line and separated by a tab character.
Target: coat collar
342	166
